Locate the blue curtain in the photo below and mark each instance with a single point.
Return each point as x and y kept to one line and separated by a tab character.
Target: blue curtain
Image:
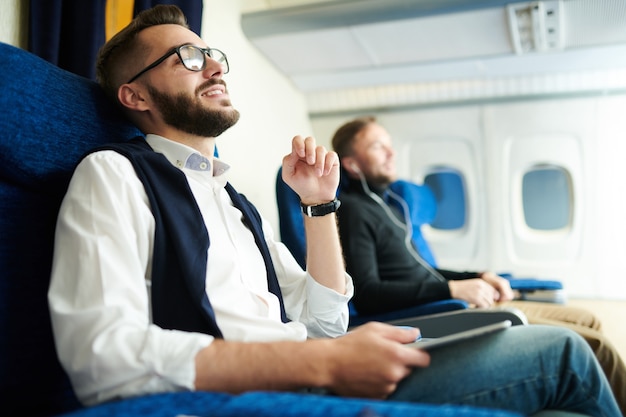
68	33
191	8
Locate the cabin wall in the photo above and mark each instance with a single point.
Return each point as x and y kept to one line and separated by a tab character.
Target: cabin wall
492	144
13	21
272	110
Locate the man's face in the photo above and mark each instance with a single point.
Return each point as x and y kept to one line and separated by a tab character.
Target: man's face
374	155
195	103
189	114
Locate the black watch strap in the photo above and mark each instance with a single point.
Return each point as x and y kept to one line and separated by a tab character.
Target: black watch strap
320	209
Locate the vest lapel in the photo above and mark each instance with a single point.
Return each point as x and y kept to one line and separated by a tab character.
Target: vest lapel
252	220
179	299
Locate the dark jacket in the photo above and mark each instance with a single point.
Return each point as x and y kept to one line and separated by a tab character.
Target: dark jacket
386	274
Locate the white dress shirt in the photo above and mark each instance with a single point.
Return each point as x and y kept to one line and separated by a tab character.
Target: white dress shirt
100	288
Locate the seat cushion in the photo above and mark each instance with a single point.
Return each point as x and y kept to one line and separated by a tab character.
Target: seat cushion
268	404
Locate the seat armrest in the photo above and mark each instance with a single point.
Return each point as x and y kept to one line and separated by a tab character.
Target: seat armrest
435	307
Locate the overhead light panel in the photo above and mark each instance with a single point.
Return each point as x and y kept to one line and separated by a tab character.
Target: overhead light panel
536	26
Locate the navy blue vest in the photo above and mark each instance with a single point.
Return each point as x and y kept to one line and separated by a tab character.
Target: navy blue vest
181	241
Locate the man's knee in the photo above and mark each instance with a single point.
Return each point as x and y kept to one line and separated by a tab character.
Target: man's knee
561	339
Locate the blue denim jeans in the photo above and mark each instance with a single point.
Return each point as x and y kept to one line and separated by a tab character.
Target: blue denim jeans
525	369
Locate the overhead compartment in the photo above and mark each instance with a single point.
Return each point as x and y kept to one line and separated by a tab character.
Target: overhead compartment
370	54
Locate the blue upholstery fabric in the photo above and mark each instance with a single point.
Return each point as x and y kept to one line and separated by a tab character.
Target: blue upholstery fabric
266	404
532	284
422	210
290	220
50	118
420	310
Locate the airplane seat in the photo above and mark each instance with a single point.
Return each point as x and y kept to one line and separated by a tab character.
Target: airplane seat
290	222
422	205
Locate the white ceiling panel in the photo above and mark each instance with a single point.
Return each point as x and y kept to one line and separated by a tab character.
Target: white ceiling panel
437	38
310	52
383	46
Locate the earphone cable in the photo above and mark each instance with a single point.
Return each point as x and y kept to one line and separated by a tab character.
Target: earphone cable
407	226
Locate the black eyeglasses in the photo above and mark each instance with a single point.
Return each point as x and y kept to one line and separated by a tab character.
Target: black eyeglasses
192	57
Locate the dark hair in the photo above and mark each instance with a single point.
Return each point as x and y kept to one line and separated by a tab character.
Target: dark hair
343	139
122	55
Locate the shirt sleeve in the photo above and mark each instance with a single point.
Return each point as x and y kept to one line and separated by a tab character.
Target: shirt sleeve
458	275
322	310
99	295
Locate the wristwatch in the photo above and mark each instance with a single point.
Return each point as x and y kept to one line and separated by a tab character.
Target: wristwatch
320	209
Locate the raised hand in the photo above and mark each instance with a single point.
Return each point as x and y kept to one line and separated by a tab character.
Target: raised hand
311	171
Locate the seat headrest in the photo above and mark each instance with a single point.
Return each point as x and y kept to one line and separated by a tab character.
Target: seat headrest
420	199
51	117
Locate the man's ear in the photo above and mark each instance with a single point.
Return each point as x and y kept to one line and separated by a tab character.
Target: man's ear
349	164
131	97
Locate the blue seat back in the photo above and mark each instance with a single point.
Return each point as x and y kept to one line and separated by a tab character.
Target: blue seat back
50	117
422	210
290	220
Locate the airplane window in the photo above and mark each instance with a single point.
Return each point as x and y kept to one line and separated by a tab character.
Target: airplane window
547	197
449	188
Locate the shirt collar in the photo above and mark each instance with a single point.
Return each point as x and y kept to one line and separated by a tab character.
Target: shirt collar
183	156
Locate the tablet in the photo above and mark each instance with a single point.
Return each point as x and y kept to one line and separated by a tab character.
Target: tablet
432	343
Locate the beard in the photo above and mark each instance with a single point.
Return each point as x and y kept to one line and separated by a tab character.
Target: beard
380	180
188	114
378	177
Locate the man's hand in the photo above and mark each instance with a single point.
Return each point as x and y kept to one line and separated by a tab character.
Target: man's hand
502	285
311	171
371	360
475	291
482	292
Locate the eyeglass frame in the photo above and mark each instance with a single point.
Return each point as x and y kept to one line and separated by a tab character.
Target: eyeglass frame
176	50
